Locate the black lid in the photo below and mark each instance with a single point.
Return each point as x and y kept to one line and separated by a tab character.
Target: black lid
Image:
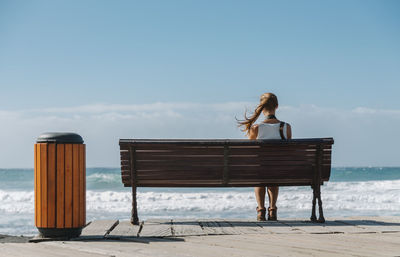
60	137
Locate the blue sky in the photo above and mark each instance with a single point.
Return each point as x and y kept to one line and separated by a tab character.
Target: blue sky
94	67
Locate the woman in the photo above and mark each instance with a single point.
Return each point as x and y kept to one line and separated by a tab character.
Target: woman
270	128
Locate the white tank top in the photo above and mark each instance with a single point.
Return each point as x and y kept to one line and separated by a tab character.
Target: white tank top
270	131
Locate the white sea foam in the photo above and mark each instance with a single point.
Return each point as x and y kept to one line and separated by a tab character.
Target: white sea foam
339	199
104	177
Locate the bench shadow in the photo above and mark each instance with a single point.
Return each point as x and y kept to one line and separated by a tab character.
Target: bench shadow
130	239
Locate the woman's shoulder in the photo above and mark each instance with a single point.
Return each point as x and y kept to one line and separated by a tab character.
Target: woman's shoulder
253	132
254	128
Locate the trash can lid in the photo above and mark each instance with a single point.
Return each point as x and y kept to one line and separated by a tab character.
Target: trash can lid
60	137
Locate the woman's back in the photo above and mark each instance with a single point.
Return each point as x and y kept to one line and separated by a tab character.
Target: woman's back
271	131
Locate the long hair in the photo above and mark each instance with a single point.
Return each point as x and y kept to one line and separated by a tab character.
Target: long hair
268	102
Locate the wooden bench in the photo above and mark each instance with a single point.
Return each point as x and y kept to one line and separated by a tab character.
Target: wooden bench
226	163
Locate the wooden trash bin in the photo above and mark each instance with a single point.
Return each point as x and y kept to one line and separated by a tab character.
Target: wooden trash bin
60	185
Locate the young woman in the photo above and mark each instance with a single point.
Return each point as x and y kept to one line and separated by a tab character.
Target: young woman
270	128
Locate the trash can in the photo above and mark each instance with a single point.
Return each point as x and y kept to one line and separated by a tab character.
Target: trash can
60	185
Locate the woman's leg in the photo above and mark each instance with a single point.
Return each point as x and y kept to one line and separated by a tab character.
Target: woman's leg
273	196
260	197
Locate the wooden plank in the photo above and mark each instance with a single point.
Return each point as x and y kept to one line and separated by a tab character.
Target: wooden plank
270	168
185	227
304	172
125	172
182	149
82	185
177	147
242	226
84	188
43	174
172	168
60	185
173	182
125	163
75	186
124	229
98	229
37	187
178	163
175	155
271	162
274	151
68	186
155	228
124	155
217	227
279	227
243	158
51	185
263	177
180	175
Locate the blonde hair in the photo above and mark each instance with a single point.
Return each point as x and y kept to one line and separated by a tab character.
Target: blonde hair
268	102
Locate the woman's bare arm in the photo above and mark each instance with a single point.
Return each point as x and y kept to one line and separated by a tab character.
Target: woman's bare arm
288	131
253	133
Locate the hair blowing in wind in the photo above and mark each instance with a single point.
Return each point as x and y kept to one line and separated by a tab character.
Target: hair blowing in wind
268	102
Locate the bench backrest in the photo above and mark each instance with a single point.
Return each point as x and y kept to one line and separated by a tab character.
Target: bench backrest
218	163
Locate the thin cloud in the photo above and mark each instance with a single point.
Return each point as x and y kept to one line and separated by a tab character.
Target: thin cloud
360	135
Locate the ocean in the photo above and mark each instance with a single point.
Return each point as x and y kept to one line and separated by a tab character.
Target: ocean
351	191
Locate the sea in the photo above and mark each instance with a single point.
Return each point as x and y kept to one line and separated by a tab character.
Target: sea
351	191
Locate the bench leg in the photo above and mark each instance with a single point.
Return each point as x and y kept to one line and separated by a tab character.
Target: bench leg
317	195
134	214
313	216
321	218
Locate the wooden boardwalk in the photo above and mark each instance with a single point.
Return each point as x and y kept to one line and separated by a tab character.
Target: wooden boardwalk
161	228
355	236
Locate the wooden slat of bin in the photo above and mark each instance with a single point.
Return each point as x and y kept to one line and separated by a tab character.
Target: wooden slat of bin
75	185
37	188
43	185
68	185
82	198
60	185
51	185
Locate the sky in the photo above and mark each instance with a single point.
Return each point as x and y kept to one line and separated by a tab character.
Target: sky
187	69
